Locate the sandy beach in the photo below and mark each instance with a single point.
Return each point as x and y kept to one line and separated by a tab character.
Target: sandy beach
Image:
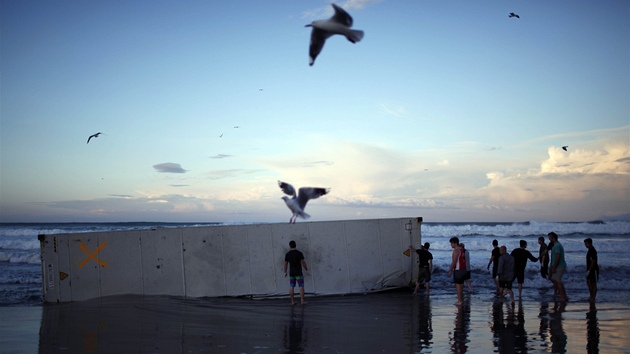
390	322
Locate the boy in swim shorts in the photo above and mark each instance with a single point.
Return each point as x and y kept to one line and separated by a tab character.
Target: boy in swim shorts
294	260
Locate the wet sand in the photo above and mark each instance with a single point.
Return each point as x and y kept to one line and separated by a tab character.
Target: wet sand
391	322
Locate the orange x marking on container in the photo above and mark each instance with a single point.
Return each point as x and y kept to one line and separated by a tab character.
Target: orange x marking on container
92	256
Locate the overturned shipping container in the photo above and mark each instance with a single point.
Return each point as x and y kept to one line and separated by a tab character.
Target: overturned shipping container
353	256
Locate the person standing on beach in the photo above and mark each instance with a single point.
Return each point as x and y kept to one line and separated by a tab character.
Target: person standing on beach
458	268
294	259
494	260
521	255
543	257
592	269
555	287
425	262
467	277
505	273
558	266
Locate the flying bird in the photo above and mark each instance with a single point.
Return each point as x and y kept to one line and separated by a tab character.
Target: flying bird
512	14
93	136
339	23
297	203
565	148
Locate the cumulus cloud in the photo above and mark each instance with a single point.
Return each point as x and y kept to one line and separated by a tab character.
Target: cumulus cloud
169	167
591	179
600	172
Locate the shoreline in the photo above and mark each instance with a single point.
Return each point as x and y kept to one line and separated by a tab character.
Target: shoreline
390	322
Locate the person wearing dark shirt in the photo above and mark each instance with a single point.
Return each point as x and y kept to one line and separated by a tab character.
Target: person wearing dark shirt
505	273
592	269
425	262
494	260
521	255
543	257
294	260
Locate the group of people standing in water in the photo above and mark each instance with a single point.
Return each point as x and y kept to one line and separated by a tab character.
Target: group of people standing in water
507	267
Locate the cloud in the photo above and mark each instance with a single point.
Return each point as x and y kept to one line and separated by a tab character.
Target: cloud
600	173
481	183
230	173
220	156
136	205
317	163
179	185
371	180
396	111
610	158
356	4
327	11
369	202
169	167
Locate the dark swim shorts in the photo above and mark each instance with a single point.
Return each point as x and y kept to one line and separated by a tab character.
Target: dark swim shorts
459	275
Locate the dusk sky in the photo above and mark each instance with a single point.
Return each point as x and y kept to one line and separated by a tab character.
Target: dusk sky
448	110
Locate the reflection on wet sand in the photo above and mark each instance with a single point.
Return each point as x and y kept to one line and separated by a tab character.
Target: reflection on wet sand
510	334
423	318
502	327
521	341
543	315
592	330
558	335
459	339
392	322
425	327
295	336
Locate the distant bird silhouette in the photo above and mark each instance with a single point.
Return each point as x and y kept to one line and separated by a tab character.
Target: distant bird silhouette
297	203
512	14
93	136
339	23
565	148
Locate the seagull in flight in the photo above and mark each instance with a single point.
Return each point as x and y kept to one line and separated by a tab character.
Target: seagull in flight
339	23
512	14
297	203
565	148
93	136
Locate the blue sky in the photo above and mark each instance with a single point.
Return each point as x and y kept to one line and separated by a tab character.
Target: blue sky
447	110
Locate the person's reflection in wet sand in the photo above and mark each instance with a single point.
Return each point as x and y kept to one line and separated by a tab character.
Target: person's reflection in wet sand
502	328
294	336
543	314
459	337
558	336
592	330
520	334
425	324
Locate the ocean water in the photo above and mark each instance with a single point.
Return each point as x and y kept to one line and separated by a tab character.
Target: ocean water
20	264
